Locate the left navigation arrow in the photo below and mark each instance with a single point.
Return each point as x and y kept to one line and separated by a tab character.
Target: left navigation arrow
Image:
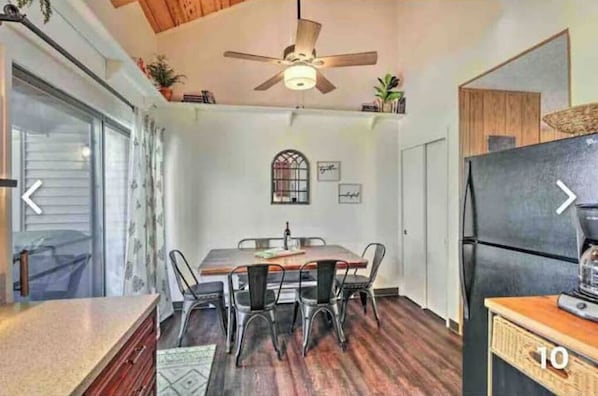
27	197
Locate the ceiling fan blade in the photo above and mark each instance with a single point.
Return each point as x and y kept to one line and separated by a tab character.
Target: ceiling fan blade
271	82
323	84
360	59
307	35
251	57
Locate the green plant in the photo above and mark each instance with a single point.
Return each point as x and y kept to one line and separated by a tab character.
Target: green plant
44	6
164	75
384	90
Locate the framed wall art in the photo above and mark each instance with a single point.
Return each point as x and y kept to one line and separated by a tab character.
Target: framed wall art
349	193
329	171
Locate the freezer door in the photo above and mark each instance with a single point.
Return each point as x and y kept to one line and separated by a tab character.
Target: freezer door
516	196
498	273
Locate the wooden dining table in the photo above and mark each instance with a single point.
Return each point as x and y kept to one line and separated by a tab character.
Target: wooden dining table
222	261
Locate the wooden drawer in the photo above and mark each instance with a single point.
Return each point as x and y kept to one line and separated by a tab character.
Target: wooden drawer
125	373
519	348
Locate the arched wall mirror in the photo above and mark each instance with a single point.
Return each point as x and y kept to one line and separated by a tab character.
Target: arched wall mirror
290	178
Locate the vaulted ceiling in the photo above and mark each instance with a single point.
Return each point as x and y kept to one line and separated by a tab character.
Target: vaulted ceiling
166	14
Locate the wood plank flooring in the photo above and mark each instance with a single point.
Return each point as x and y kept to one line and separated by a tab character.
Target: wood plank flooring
411	354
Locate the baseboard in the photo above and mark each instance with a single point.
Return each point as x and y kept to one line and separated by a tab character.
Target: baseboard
453	326
384	292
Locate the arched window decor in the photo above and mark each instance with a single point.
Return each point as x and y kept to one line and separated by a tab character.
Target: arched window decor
290	178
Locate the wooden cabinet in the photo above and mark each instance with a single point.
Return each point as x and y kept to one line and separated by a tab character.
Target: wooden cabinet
520	328
485	113
133	370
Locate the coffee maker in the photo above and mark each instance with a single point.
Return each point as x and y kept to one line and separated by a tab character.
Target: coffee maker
583	301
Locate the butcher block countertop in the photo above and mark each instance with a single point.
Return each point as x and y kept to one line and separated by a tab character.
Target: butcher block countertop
542	316
60	347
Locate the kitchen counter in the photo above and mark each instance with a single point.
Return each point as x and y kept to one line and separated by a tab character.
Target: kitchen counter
520	329
60	347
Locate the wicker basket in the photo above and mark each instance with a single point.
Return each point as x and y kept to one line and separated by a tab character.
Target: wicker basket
518	347
578	120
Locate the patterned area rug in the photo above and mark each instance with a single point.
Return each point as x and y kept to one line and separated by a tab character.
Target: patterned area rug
185	371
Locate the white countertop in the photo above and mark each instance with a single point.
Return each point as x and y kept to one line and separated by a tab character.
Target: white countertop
60	347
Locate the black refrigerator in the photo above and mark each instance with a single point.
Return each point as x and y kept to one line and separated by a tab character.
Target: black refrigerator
515	244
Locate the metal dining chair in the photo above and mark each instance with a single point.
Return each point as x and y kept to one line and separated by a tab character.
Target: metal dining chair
364	285
256	301
267	243
323	297
196	294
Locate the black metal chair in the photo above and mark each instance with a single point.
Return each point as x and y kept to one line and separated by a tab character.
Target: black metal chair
364	285
257	301
267	243
324	297
196	294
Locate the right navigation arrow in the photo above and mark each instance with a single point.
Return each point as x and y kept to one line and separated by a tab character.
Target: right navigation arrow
571	197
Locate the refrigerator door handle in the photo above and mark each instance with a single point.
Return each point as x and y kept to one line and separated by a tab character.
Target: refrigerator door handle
465	241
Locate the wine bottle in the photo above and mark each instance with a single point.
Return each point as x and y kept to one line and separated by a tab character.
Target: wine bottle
287	236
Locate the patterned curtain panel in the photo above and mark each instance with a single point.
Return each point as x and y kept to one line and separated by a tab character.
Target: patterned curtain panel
145	268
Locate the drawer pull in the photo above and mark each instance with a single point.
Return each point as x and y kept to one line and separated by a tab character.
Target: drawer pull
139	351
538	359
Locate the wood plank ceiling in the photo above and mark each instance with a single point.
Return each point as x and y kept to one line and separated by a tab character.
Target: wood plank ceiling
166	14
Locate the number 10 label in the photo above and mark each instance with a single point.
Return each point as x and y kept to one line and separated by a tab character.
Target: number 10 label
559	357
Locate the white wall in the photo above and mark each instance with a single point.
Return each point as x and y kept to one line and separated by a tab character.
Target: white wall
266	27
443	43
218	181
128	25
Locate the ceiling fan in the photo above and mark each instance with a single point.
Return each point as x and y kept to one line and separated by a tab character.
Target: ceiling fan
301	63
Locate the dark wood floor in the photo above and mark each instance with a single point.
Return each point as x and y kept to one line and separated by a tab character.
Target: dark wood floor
411	354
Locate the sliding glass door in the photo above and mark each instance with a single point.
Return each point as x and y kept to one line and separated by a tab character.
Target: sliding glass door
65	224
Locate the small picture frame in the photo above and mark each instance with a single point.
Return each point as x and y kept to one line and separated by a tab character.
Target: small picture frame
329	171
349	193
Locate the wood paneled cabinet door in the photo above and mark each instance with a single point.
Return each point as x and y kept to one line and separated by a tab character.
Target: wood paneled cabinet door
492	117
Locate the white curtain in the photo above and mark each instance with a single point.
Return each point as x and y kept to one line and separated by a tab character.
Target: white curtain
145	267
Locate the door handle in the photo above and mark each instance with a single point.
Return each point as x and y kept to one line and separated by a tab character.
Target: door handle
24	272
404	232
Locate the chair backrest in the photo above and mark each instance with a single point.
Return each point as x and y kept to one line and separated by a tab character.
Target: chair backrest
312	241
257	281
177	266
259	243
325	272
267	243
379	253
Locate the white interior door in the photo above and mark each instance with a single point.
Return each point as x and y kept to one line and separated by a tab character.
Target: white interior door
413	189
436	227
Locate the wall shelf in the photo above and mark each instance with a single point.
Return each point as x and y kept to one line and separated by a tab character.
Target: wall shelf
372	119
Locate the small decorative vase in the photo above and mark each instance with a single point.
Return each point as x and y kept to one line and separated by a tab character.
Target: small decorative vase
166	92
387	107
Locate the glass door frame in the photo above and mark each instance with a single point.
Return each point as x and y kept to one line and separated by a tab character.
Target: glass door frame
97	173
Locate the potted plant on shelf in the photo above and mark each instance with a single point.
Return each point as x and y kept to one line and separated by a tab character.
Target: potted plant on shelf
44	5
164	76
385	92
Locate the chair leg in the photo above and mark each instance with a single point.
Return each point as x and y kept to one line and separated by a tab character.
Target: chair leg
308	316
221	313
338	327
274	332
346	297
295	310
230	325
374	305
364	301
242	320
187	308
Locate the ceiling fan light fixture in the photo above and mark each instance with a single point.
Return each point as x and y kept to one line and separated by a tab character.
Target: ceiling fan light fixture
300	77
